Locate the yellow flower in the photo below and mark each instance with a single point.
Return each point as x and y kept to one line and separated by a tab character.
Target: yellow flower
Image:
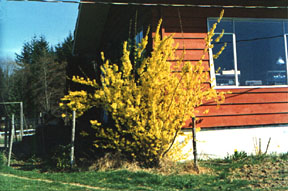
148	106
114	106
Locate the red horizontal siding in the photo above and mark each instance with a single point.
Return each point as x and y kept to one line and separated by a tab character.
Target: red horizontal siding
258	106
265	95
243	107
205	64
185	35
237	120
192	55
187	43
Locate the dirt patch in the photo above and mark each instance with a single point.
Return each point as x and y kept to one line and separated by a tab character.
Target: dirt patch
268	175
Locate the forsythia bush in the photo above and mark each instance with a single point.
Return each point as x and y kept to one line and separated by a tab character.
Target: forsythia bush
148	105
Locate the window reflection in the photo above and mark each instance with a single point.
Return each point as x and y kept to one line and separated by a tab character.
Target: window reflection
224	65
259	46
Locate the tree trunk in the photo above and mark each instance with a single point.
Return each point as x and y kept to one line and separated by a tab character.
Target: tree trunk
47	106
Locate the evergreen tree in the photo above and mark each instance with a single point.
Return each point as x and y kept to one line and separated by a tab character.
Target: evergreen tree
41	75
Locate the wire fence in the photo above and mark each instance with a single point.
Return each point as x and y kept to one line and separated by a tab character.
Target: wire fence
29	129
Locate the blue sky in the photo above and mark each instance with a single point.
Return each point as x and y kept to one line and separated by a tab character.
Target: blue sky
21	20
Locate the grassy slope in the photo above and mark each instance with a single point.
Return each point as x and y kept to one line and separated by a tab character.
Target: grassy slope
11	184
125	180
223	178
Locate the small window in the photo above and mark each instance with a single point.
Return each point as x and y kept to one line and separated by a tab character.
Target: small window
256	53
139	36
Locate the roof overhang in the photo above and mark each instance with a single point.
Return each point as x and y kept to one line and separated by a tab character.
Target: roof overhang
89	28
93	14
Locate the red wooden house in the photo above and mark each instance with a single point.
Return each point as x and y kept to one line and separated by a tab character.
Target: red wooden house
256	32
253	66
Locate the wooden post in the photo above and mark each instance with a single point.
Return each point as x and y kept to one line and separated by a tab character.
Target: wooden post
15	132
194	144
21	121
6	133
40	121
11	140
260	149
267	146
73	137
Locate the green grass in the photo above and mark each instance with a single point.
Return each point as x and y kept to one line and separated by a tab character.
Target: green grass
220	179
125	180
10	184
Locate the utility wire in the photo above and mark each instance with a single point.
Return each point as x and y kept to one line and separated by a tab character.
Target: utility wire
158	5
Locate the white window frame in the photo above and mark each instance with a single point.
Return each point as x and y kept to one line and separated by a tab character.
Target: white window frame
237	86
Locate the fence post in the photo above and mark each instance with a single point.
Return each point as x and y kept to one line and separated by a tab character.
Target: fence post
73	136
6	134
21	121
194	144
11	140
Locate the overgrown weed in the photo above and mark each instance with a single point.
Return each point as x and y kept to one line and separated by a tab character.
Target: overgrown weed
166	166
237	156
113	161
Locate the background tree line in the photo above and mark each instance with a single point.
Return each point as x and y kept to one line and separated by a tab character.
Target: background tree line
37	77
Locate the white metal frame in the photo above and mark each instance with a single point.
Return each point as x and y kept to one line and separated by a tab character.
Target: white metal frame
286	54
236	86
21	114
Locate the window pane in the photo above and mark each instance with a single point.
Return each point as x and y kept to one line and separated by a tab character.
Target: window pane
139	36
260	53
224	65
285	27
227	25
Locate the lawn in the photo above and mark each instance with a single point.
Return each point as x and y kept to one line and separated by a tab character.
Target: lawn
242	173
117	180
